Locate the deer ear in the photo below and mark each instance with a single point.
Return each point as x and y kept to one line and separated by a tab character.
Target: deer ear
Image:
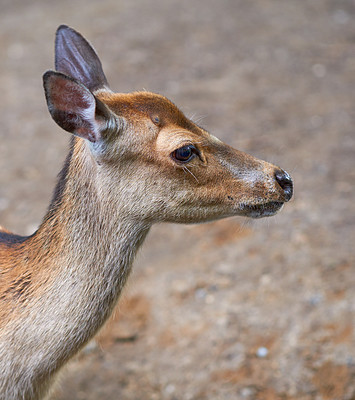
75	57
74	108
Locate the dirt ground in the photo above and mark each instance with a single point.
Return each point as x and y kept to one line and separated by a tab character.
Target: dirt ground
235	309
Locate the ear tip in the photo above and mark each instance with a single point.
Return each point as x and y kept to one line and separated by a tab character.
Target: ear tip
75	57
50	73
65	37
65	32
61	28
47	75
55	76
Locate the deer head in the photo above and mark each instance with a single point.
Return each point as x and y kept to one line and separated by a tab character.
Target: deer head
148	155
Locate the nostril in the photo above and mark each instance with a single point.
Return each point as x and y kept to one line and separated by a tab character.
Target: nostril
285	181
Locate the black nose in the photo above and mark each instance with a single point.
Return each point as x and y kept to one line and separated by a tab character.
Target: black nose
285	181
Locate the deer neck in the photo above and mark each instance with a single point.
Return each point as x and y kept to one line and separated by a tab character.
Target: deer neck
95	240
86	249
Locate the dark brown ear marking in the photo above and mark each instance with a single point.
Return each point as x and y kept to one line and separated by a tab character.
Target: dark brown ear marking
75	57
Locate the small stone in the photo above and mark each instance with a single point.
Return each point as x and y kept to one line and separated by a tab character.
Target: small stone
262	352
247	392
170	388
200	294
315	299
209	299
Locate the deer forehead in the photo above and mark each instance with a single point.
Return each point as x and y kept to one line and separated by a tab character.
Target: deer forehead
169	126
144	105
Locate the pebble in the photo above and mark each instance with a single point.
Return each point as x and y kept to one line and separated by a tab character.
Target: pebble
262	352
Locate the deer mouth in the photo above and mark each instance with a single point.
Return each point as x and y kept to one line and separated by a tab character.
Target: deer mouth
261	210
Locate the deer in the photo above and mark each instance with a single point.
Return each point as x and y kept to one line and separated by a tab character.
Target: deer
134	160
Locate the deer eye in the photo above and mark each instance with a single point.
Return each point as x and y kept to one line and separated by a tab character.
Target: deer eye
184	154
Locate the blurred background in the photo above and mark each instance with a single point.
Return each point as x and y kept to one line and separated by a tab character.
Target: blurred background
235	309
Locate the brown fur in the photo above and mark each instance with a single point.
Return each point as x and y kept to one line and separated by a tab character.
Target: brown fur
59	286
